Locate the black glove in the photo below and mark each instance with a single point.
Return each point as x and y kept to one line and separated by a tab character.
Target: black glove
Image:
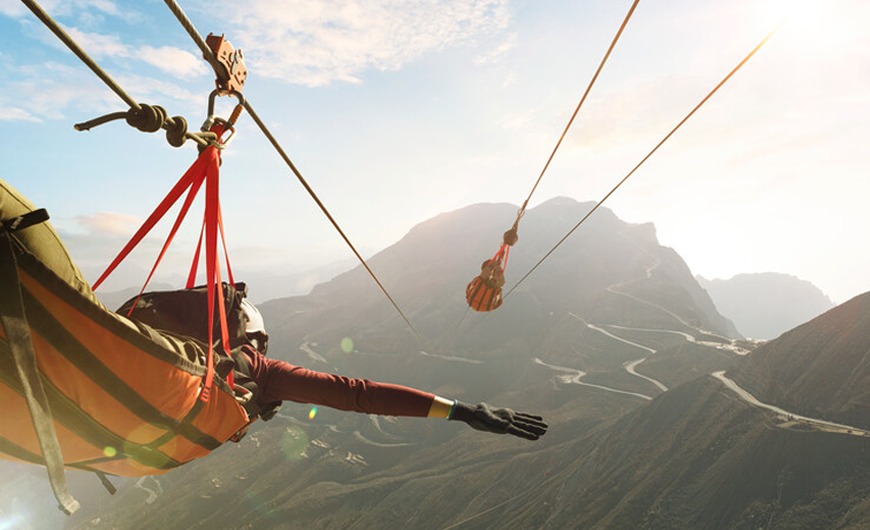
500	421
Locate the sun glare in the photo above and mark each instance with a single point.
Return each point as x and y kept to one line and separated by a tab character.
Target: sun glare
810	26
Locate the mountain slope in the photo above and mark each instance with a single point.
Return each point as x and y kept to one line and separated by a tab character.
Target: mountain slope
664	447
600	273
696	457
765	305
820	369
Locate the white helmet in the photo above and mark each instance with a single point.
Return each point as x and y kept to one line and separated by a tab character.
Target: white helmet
255	328
253	317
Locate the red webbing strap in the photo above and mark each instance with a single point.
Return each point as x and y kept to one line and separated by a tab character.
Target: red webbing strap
205	169
191	195
226	254
507	251
501	256
196	170
191	276
212	266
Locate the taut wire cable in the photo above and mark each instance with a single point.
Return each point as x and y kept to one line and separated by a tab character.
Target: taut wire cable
647	157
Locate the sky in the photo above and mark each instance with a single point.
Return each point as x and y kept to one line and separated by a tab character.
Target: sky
398	110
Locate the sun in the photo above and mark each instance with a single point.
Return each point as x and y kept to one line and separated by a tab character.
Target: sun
812	27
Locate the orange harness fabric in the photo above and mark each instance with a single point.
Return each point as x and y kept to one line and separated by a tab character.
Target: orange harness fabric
483	293
122	403
204	171
124	398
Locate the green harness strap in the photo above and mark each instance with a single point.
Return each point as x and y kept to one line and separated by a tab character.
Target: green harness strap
14	322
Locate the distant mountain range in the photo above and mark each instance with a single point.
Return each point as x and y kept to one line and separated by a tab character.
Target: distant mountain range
765	305
601	270
611	339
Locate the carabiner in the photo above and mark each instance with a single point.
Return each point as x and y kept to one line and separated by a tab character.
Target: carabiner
215	93
228	125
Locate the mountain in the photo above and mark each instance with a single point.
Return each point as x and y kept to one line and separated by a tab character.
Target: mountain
821	368
764	305
601	270
611	339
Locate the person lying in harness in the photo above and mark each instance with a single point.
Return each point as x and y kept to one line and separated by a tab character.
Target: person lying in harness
105	371
263	383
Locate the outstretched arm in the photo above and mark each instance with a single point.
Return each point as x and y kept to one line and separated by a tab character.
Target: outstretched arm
282	381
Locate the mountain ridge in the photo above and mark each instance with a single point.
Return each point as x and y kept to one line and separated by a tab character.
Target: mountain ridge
765	305
612	340
820	368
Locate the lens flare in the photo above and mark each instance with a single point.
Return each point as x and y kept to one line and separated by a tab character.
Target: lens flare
12	522
110	451
312	413
347	345
293	443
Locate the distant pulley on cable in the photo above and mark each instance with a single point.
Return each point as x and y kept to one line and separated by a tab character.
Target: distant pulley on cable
484	291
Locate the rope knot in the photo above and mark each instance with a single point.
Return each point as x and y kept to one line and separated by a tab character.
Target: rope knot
176	129
147	118
510	237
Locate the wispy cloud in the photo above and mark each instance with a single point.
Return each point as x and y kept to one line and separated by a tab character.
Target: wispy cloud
52	89
99	45
151	89
108	223
498	53
84	10
12	8
56	91
16	114
175	61
316	43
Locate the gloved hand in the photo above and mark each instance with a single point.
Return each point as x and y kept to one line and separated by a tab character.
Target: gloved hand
483	417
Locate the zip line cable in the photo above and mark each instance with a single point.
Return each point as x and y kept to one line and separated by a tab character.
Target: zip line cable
484	292
577	110
168	122
654	149
70	43
209	56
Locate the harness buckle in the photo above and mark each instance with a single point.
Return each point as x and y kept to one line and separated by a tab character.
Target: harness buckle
24	221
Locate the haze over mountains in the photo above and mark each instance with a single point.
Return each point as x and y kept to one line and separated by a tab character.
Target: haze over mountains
612	339
764	305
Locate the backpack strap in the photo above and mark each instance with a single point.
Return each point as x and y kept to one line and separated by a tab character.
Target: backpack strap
14	322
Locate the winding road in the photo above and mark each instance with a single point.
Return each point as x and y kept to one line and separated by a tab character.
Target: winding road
631	366
791	418
573	376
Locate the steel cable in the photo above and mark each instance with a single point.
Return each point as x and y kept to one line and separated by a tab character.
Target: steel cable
654	149
209	56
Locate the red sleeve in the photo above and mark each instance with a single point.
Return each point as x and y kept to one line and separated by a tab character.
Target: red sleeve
281	381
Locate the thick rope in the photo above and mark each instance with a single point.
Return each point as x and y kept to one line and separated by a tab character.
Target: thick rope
71	44
654	149
188	26
176	127
577	110
209	56
325	211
